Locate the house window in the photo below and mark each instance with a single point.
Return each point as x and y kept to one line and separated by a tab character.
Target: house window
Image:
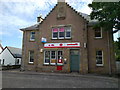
99	58
54	33
51	57
17	61
98	33
61	33
31	56
68	32
3	62
32	36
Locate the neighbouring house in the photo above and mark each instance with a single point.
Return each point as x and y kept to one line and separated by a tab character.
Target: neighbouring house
10	56
65	41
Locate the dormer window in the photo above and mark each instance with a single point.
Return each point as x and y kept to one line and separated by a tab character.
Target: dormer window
32	36
98	33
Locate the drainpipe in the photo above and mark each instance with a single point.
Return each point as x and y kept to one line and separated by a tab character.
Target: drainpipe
109	52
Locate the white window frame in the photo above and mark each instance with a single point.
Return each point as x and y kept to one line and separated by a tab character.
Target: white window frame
44	59
52	34
29	58
66	32
102	60
59	33
51	58
101	34
31	36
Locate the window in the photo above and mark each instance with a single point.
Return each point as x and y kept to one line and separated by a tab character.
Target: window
17	62
51	57
3	61
98	33
31	56
32	36
61	33
47	57
55	33
99	58
68	32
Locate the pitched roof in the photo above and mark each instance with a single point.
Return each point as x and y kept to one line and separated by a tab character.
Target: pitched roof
33	27
16	52
83	15
1	47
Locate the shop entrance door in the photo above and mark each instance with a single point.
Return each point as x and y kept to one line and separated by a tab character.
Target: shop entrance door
74	60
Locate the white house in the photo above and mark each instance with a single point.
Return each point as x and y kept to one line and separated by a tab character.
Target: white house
11	56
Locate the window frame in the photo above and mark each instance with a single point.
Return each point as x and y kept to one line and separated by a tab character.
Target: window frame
102	59
29	57
53	32
56	57
100	33
66	33
45	58
52	58
31	39
59	33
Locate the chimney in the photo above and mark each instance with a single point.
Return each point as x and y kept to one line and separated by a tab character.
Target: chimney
60	1
39	19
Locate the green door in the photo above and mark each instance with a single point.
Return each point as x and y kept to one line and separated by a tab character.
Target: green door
74	60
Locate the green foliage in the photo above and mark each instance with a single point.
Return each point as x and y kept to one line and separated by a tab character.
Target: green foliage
117	49
108	14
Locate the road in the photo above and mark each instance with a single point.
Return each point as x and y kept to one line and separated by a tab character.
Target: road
46	80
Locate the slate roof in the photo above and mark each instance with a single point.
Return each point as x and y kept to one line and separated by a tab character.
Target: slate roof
33	27
16	52
83	15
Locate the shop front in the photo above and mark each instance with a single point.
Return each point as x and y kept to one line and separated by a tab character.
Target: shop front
63	56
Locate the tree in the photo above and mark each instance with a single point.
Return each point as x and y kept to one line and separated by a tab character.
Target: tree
117	49
107	13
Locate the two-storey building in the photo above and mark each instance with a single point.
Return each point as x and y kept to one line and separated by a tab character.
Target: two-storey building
65	41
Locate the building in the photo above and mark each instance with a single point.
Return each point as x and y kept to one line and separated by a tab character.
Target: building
1	48
10	56
65	41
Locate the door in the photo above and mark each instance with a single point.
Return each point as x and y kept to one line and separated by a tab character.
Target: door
74	60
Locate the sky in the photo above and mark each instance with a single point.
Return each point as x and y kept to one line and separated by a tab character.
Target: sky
17	14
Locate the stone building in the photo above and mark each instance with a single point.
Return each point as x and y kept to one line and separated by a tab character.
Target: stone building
65	41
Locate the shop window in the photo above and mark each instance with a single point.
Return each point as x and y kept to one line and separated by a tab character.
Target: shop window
31	56
61	33
51	57
98	33
99	58
47	57
32	36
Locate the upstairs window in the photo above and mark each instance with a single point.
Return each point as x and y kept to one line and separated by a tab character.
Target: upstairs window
31	56
61	33
68	32
99	58
32	36
54	33
98	33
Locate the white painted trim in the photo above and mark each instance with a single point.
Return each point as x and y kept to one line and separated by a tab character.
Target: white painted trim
44	59
29	59
70	34
31	36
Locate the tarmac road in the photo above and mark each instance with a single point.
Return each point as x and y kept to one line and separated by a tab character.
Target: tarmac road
52	80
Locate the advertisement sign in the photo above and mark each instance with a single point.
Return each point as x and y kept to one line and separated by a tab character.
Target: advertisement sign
62	45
